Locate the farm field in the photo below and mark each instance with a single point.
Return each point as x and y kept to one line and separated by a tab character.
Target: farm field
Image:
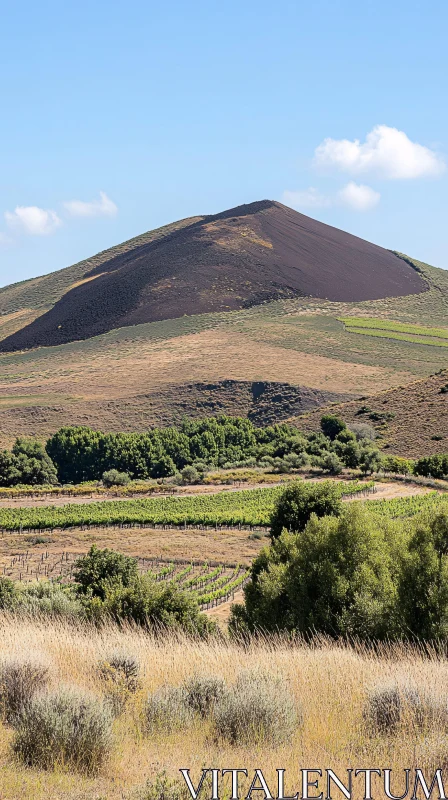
386	329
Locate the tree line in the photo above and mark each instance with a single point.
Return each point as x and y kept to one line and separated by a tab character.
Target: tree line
77	454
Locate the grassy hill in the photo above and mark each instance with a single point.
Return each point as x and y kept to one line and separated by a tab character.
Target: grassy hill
308	350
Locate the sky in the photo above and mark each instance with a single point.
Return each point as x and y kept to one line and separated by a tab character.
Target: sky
119	117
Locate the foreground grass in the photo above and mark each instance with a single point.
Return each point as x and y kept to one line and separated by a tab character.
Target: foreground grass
330	683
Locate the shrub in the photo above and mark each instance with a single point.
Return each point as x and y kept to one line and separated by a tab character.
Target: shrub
120	676
8	594
337	577
363	430
391	706
190	475
299	501
64	729
115	478
259	708
101	568
167	710
163	788
19	682
331	425
332	464
46	597
203	692
151	604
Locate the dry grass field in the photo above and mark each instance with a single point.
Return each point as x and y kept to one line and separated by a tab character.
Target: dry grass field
329	684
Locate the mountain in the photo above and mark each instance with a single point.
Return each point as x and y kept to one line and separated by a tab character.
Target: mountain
244	257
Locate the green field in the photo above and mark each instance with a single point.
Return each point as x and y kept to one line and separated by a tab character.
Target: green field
389	329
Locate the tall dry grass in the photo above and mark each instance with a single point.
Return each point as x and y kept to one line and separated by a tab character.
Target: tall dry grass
331	683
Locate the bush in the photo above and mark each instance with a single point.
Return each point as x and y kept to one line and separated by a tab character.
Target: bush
332	426
203	692
391	706
299	501
363	430
46	597
163	788
332	464
19	682
8	594
152	604
190	475
259	708
115	478
64	729
120	676
337	577
99	569
166	710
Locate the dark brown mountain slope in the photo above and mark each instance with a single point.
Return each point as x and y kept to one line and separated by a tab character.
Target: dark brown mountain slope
241	257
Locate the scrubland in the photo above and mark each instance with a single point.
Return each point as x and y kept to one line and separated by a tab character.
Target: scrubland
326	687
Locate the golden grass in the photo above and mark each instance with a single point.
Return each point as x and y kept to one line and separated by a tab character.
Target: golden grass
330	682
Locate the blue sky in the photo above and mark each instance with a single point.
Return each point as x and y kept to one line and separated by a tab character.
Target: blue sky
176	108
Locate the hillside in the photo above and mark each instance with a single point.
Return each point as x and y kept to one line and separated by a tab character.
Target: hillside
410	420
243	257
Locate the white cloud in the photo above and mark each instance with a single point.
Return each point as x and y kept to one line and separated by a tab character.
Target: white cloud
32	220
359	197
308	198
104	207
387	152
356	196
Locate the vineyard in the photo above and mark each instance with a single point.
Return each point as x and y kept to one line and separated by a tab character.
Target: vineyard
409	506
387	329
210	583
247	509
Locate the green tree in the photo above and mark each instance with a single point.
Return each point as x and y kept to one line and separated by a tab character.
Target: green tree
423	584
337	577
332	426
99	570
302	499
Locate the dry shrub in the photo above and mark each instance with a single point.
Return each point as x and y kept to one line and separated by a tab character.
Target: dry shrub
64	729
203	692
258	708
19	682
391	707
119	674
163	788
167	710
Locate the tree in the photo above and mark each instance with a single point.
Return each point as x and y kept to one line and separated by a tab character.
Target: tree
332	426
99	570
27	463
299	500
336	577
114	478
423	584
332	463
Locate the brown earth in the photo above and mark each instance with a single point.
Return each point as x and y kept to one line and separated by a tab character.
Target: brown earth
414	420
242	257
